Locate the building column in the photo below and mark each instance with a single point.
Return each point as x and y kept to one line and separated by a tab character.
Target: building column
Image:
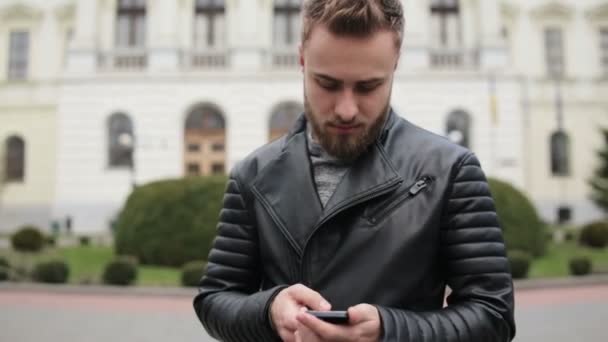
493	52
250	22
162	35
82	52
417	34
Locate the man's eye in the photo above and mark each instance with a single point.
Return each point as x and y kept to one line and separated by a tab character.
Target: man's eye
328	85
366	88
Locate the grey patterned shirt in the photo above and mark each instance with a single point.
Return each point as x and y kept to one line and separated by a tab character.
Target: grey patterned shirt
328	170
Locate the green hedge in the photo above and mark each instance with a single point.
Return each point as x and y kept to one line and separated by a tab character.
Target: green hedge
580	265
192	273
519	261
170	222
522	228
120	271
54	272
594	235
28	239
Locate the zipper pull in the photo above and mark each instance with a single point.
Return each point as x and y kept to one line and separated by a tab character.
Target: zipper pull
421	184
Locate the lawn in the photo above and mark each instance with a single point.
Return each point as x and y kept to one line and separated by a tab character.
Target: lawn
555	262
86	265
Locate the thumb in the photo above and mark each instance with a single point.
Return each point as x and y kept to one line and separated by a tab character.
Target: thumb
362	313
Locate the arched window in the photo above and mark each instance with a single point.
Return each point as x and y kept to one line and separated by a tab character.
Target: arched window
560	154
205	141
121	141
283	117
15	159
458	128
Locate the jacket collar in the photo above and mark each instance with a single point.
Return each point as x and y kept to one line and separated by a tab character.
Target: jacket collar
286	185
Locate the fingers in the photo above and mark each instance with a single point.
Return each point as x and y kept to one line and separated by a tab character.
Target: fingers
326	331
361	313
309	298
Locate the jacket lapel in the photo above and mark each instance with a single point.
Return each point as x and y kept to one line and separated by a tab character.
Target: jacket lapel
370	176
287	190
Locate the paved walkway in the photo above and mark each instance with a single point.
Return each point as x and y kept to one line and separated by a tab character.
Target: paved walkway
34	315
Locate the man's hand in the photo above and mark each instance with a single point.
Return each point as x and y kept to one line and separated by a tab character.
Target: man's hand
364	325
288	303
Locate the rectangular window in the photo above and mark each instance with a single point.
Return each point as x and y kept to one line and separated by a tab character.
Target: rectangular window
554	52
194	147
287	23
209	24
18	56
604	49
131	23
217	147
194	169
217	169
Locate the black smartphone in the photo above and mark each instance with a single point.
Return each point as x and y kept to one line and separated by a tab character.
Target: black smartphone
334	317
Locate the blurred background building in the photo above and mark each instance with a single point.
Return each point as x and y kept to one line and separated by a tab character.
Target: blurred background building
97	96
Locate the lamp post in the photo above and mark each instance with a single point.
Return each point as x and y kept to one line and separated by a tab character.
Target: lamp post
127	140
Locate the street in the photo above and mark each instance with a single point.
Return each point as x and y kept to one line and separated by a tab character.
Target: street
556	315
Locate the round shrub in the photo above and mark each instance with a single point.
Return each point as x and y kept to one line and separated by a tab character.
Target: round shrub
595	234
192	273
4	269
120	271
520	263
84	240
28	239
170	222
580	266
54	272
522	228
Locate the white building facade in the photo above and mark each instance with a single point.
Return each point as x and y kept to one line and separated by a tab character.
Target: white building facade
162	89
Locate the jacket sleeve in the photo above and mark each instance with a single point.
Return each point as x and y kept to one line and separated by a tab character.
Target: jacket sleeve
480	306
230	304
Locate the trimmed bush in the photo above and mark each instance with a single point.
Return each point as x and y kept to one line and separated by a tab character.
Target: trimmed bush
580	266
50	240
520	263
4	269
120	271
522	228
192	273
594	235
84	240
28	239
170	222
54	272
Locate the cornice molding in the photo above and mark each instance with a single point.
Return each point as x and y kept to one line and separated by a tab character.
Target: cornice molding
20	11
553	10
598	13
509	10
66	12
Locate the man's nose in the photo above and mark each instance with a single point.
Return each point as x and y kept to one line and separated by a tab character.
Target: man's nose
346	106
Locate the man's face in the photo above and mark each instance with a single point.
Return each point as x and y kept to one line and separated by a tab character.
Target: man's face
347	88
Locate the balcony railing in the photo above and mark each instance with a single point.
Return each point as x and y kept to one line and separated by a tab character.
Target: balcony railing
124	59
284	58
205	59
443	58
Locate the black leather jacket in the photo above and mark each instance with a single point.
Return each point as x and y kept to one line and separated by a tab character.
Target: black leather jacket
412	215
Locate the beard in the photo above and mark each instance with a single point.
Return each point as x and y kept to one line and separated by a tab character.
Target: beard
346	147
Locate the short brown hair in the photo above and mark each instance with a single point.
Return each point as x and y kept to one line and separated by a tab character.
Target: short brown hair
357	18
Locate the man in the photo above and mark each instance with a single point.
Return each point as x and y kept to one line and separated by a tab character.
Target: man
356	209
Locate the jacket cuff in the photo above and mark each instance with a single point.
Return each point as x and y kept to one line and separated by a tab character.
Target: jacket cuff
274	291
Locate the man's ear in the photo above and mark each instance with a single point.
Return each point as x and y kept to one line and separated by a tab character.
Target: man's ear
397	62
301	53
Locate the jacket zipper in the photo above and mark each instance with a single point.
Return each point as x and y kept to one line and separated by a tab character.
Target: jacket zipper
378	192
414	190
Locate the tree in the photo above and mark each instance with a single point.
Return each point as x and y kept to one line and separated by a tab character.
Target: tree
599	181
